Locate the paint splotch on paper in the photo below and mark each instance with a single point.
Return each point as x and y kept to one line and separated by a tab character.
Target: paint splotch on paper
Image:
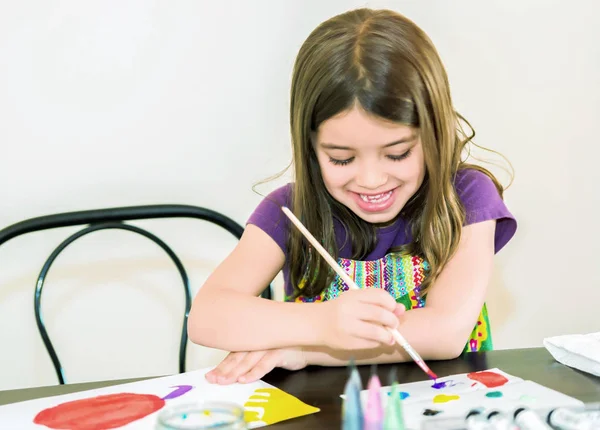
443	398
402	394
101	412
180	391
272	405
488	378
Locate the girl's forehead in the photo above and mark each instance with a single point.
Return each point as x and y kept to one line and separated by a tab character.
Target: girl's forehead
357	128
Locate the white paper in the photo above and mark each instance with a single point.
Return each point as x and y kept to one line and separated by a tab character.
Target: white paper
461	394
580	351
264	403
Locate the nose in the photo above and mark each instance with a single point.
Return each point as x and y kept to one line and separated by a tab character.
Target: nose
371	177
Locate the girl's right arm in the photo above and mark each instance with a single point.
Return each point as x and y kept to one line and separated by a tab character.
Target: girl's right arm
227	313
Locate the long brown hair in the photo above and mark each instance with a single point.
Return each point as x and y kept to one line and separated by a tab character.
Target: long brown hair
385	63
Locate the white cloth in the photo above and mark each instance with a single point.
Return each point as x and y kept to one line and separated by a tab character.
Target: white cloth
580	351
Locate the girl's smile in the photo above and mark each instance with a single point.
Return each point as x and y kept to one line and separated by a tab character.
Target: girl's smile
375	202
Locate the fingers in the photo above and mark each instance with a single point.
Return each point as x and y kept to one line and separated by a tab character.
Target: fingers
378	296
219	373
267	363
242	367
400	310
373	333
377	315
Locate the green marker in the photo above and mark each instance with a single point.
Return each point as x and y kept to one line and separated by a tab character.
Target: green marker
394	416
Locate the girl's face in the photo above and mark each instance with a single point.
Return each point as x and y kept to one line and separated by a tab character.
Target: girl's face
368	164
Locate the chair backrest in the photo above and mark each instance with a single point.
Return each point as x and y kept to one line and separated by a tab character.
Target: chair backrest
114	218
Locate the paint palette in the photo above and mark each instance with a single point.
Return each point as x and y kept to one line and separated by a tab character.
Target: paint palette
454	396
508	398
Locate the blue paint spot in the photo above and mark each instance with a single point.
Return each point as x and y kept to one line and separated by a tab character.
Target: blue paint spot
402	394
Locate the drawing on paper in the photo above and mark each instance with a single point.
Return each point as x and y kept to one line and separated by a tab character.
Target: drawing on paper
272	405
136	405
109	411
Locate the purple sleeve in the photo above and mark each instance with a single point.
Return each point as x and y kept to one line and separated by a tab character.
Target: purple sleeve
482	202
269	217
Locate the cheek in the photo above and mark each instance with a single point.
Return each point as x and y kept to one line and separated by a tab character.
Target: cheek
333	176
414	169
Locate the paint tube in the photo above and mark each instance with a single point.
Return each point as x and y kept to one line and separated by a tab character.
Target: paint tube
476	421
570	419
499	420
373	414
352	416
526	419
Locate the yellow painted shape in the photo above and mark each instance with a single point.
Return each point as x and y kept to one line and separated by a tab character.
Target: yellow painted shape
272	405
443	398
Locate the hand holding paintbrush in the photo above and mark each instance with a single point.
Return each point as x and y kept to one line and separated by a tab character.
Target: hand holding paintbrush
351	284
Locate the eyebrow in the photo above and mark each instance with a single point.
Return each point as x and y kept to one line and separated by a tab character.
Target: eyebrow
387	145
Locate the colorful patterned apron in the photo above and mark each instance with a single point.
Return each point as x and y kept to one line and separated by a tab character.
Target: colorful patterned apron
401	276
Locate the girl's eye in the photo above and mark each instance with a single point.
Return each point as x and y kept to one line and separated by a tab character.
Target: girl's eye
399	157
340	162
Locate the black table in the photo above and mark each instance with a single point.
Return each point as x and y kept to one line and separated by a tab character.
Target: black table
322	386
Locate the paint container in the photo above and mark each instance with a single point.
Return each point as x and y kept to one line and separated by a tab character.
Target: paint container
476	421
352	416
394	413
443	424
374	408
574	419
202	416
499	420
526	419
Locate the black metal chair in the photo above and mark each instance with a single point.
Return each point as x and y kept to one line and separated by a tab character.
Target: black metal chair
114	218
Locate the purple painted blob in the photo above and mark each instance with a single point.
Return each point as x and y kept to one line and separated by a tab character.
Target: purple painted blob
439	385
444	384
180	391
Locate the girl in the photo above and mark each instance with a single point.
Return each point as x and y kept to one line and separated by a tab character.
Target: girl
379	180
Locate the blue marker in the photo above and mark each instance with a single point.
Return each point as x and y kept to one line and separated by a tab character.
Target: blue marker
352	416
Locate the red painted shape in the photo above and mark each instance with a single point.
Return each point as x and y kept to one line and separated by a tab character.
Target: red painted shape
102	412
489	379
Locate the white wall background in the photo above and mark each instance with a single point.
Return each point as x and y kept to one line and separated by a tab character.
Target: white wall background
123	103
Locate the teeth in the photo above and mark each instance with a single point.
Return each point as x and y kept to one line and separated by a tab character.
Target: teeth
377	198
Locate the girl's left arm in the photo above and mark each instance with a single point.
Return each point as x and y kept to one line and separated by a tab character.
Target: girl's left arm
440	330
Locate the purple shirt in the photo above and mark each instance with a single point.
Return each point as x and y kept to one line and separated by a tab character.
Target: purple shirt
476	191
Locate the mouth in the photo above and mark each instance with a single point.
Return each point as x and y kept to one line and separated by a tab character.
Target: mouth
376	198
375	203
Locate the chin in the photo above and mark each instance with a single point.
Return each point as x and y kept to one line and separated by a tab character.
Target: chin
377	217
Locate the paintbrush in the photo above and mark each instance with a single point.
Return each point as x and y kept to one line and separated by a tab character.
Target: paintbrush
351	284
